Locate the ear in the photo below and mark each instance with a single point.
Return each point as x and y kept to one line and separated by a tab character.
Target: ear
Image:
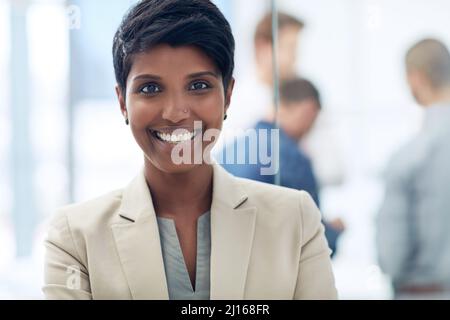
229	94
421	87
413	78
123	105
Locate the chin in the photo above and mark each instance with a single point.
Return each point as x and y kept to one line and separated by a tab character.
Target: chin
172	168
159	153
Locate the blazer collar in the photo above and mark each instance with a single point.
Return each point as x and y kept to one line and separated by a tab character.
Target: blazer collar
232	229
137	201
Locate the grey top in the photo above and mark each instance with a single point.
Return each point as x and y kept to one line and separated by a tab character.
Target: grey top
413	226
178	281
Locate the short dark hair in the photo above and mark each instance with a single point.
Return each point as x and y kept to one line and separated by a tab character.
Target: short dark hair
176	23
264	27
297	90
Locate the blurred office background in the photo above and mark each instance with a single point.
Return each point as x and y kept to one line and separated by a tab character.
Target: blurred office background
63	140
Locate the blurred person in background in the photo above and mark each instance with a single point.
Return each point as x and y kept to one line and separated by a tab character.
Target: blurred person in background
289	31
413	235
253	99
299	107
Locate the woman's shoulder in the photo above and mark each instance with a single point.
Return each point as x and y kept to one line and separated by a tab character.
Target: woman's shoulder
291	208
263	189
278	199
91	214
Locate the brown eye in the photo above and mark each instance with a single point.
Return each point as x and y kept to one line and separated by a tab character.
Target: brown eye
150	89
199	86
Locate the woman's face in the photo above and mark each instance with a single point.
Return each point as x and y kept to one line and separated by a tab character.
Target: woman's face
173	96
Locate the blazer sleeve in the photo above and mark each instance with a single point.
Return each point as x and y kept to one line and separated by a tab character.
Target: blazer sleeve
315	278
65	276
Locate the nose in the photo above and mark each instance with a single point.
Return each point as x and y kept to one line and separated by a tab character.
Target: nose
176	109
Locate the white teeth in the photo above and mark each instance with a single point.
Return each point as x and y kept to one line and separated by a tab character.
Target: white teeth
175	138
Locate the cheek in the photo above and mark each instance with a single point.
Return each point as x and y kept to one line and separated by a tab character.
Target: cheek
295	124
265	57
210	109
142	112
298	121
287	60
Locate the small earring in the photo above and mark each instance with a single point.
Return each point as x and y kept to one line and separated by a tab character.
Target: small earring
127	122
226	117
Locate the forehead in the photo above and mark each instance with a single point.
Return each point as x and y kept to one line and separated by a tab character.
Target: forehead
307	102
289	33
165	60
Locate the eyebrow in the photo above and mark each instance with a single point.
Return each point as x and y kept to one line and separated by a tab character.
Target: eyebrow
203	73
191	76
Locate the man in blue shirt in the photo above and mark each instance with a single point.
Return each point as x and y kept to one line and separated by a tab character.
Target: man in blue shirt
299	107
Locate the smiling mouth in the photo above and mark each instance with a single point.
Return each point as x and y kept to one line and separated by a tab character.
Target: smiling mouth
174	138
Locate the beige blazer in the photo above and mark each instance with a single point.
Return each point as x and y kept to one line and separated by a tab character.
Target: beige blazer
267	242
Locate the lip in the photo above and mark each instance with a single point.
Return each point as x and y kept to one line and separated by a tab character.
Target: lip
170	130
152	134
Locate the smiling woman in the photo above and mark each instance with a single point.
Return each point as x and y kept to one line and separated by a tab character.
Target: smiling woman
165	96
184	230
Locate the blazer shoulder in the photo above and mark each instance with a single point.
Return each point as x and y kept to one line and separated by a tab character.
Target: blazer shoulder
284	205
280	200
257	189
92	214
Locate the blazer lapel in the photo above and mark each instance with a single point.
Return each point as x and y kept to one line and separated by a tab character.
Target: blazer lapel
138	243
232	231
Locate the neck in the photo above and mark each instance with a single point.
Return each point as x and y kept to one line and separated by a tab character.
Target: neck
441	96
187	194
270	115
